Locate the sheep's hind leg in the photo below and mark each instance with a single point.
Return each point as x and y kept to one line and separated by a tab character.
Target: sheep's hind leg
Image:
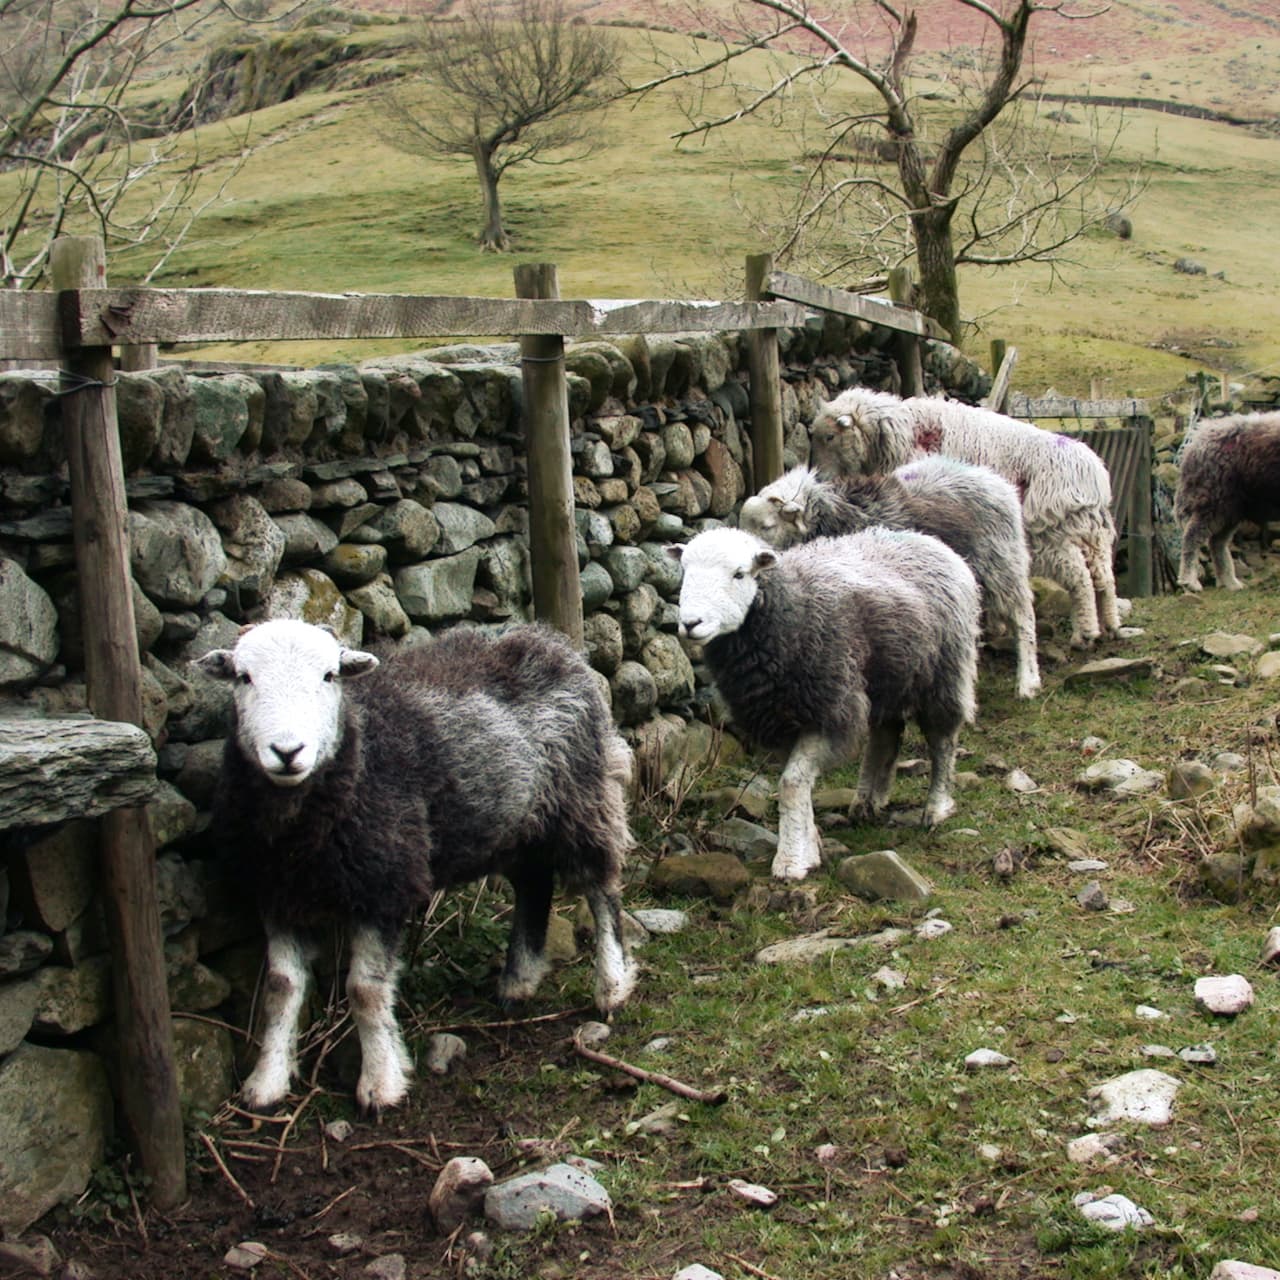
938	803
1194	535
615	969
527	964
286	988
371	990
799	845
876	772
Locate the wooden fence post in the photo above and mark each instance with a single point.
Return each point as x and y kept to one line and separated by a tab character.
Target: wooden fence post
906	345
148	1076
1140	572
553	544
766	384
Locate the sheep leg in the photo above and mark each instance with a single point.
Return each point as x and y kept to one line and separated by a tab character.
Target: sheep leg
938	803
285	990
875	775
1065	563
371	991
1024	629
1224	570
527	963
615	969
799	845
1100	557
1194	535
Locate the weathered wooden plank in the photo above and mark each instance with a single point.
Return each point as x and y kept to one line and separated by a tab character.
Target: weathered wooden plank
782	284
29	326
767	427
999	392
1022	406
101	317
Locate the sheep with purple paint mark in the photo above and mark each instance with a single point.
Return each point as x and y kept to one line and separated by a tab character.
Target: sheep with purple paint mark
1230	473
973	510
826	649
352	790
1063	484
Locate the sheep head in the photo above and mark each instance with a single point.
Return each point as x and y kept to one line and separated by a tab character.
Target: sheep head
779	512
721	569
288	695
847	437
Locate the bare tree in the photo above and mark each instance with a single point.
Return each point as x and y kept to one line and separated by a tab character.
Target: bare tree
508	85
78	144
948	174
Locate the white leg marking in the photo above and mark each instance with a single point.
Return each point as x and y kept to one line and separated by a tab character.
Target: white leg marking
942	767
286	988
371	989
615	969
799	845
524	973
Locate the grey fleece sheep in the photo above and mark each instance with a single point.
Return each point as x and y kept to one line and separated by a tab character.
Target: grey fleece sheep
349	802
826	649
972	509
1230	472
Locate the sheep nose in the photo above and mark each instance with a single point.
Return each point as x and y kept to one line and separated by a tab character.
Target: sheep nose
687	625
286	753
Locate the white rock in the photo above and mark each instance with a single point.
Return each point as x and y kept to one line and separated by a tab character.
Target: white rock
662	919
1087	864
1145	1096
1157	1051
339	1130
1019	781
1201	1055
1067	1019
990	1152
592	1034
1115	1212
697	1272
1147	1013
344	1242
246	1255
753	1193
1227	994
981	1059
443	1050
927	929
1095	1148
1271	946
889	979
1232	1270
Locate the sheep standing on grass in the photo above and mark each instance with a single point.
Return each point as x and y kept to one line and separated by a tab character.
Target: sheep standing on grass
349	802
1064	485
973	510
826	649
1230	472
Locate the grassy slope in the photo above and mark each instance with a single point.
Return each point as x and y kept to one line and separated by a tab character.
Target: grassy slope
324	203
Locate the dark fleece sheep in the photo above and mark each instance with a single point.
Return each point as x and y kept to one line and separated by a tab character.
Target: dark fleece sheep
972	509
1230	472
349	802
826	649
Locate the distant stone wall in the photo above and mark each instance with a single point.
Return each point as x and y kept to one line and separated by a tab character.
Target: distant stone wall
388	501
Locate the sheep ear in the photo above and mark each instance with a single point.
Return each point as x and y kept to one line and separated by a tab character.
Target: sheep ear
218	664
791	512
355	662
676	551
844	421
763	559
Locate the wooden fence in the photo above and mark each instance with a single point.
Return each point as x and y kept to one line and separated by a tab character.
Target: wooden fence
76	326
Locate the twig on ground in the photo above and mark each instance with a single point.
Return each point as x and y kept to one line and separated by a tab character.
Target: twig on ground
678	1087
337	1200
505	1023
932	995
226	1173
754	1270
284	1133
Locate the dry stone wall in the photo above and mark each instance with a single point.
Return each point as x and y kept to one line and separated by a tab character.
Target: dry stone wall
388	501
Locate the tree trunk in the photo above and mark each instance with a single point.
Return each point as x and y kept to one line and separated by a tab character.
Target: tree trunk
936	263
493	239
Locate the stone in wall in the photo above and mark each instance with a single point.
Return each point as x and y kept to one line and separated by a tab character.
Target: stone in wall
409	530
224	405
28	626
314	597
175	551
54	878
23	399
178	424
140	403
439	590
55	1119
381	607
254	544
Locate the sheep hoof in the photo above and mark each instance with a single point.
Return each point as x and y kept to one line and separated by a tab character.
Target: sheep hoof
373	1099
936	813
258	1096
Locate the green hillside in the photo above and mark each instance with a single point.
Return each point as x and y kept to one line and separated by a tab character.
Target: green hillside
324	202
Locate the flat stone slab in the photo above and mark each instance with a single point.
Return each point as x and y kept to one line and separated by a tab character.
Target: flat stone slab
54	770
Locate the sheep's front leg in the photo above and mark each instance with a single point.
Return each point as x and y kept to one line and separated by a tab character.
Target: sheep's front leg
1224	569
799	845
1194	535
286	988
527	963
938	803
1100	555
1065	563
876	772
371	990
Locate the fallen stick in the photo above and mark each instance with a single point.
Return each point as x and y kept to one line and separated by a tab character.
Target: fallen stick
226	1173
678	1087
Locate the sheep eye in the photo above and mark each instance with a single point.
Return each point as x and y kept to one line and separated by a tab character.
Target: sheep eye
244	678
739	573
330	677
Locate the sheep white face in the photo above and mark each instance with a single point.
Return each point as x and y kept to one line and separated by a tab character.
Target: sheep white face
777	512
288	696
720	580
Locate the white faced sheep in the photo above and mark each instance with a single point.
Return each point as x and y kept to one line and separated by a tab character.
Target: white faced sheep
973	510
1230	472
349	802
1063	484
826	649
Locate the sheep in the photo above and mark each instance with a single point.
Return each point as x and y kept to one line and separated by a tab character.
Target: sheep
1230	472
973	510
353	789
827	648
1063	484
